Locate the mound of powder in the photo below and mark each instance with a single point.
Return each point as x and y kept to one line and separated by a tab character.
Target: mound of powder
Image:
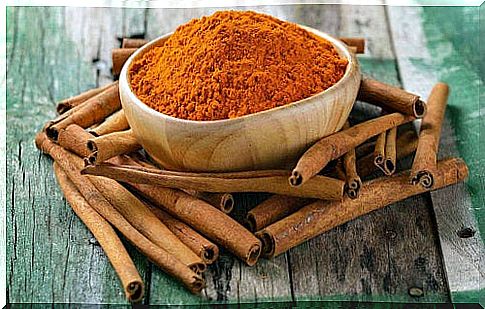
234	63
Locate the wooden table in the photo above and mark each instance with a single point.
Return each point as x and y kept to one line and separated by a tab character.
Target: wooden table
424	249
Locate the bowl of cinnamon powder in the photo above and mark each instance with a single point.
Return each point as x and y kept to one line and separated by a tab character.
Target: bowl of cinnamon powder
237	90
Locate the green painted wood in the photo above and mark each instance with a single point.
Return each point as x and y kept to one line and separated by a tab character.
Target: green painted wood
435	57
52	257
382	255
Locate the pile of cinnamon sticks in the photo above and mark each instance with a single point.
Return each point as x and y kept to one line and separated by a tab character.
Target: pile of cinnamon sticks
179	219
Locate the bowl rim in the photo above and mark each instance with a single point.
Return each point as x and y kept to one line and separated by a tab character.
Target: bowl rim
341	47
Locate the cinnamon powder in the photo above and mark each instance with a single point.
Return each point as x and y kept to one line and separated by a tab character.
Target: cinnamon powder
234	63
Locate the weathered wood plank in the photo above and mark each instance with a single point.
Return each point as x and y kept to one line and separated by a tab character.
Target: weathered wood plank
419	70
52	257
382	255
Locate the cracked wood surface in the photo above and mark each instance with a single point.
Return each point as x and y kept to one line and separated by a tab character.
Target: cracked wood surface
57	52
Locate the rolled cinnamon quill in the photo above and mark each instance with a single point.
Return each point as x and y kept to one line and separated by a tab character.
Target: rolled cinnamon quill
204	248
357	43
71	164
73	138
110	145
390	158
119	57
380	151
105	235
133	43
114	123
92	111
222	201
321	216
317	187
391	98
424	164
405	145
66	104
273	209
352	179
335	145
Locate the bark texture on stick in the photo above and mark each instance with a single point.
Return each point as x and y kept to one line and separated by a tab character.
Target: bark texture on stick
357	43
321	216
105	235
73	138
93	111
390	158
380	150
391	98
273	209
334	146
318	187
424	164
204	248
114	123
133	43
206	219
119	57
406	144
66	104
222	201
111	145
352	179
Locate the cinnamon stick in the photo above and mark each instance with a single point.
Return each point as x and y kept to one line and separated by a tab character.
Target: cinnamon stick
73	138
352	179
133	43
380	151
222	201
110	145
119	57
357	43
91	112
279	206
71	164
405	145
317	187
273	209
390	159
391	98
204	248
66	104
140	216
105	235
114	123
205	218
335	145
424	164
321	216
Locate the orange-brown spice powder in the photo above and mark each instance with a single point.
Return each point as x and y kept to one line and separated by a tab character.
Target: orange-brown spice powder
232	64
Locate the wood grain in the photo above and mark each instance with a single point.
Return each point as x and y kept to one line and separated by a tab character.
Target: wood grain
382	255
462	256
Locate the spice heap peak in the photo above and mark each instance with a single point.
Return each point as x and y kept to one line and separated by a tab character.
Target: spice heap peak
234	63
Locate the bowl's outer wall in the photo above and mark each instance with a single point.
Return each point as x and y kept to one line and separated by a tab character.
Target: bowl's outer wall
266	140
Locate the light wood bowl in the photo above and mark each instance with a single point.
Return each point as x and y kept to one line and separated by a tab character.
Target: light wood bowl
270	139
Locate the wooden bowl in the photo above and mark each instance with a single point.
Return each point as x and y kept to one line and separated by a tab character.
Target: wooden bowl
269	139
